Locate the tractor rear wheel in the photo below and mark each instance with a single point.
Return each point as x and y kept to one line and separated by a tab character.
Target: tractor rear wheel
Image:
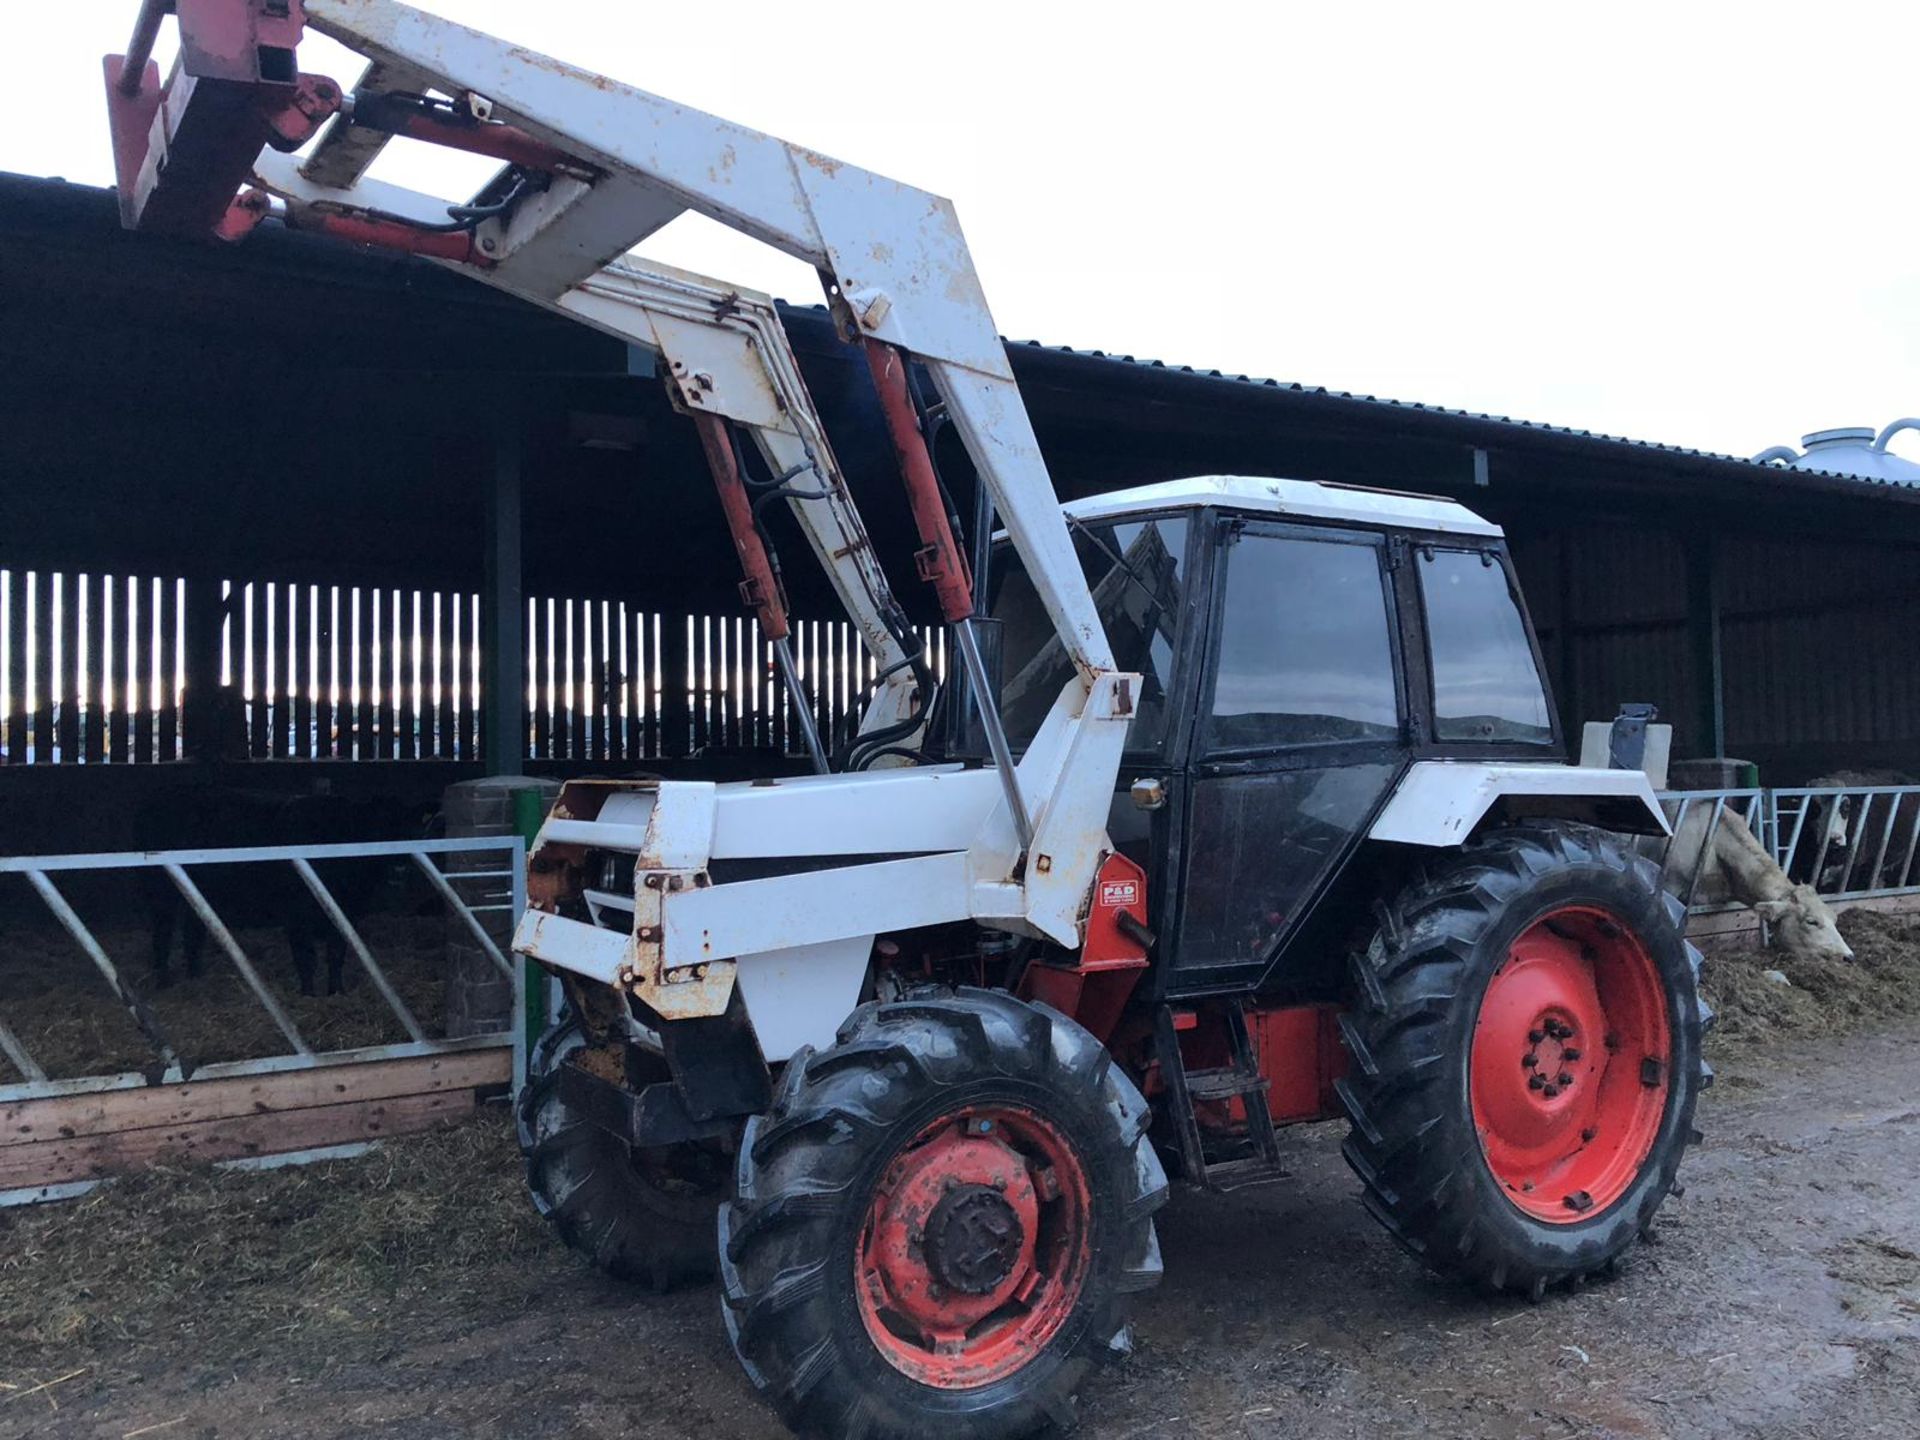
936	1226
644	1215
1525	1041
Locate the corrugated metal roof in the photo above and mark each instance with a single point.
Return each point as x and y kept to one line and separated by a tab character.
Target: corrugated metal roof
1650	449
55	196
1420	407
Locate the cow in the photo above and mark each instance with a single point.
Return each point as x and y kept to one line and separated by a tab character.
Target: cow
1842	835
266	893
1732	866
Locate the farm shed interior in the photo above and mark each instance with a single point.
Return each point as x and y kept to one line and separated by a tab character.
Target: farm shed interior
373	458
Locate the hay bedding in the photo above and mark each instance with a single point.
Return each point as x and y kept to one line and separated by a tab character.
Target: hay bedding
57	1003
1822	997
300	1263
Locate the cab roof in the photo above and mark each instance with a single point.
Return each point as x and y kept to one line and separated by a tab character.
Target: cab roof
1295	499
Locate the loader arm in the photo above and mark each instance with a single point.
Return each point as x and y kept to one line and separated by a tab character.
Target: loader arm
591	168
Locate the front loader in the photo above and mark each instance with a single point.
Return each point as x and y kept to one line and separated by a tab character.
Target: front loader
1245	804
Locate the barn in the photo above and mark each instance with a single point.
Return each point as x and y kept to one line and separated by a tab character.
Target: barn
298	519
460	501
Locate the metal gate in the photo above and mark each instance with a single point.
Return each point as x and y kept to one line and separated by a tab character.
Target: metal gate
1847	842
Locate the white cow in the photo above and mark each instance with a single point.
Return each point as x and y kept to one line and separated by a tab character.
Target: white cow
1736	868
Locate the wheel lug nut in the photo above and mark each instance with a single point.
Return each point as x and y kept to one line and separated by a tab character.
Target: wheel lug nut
1535	1081
1563	1079
1551	1091
1569	1054
1534	1037
1529	1061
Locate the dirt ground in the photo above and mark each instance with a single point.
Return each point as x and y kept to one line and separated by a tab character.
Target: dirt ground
411	1292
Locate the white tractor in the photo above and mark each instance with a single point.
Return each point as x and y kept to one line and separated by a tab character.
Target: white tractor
1246	805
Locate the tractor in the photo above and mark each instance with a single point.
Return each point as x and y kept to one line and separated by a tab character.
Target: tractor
1243	805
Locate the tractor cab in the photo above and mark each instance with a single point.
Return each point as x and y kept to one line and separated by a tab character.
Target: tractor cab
1300	645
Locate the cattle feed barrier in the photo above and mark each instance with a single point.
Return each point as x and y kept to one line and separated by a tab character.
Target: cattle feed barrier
60	1136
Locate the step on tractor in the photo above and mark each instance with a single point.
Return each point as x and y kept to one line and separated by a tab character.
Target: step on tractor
1242	805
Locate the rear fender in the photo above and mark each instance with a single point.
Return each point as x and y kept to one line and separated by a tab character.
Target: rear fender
1441	803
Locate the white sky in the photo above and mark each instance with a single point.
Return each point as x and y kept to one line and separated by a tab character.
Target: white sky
1683	222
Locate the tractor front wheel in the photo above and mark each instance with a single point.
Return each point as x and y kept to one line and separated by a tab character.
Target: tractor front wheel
642	1214
1525	1040
936	1225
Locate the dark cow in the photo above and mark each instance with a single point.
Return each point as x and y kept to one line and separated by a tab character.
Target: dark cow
265	893
1842	835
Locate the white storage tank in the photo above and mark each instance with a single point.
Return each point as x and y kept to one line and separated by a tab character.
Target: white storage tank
1849	450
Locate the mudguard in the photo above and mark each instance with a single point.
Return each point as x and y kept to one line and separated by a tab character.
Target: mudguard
1442	802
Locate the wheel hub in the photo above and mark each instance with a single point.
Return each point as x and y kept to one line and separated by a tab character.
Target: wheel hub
975	1246
974	1238
1568	1066
1551	1056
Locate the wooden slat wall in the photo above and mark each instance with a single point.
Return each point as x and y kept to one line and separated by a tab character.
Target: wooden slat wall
93	667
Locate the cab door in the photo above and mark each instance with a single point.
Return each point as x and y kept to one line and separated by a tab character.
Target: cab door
1299	731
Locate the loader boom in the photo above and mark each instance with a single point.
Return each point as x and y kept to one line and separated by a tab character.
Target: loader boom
591	168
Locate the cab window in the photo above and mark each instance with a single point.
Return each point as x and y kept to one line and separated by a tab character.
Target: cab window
1486	684
1306	650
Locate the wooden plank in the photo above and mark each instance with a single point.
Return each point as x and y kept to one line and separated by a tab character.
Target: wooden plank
67	1117
300	672
43	687
168	657
596	707
702	649
57	1162
541	629
270	646
250	641
364	736
16	716
406	611
446	628
67	730
646	698
141	619
95	720
465	648
579	642
325	720
391	703
114	667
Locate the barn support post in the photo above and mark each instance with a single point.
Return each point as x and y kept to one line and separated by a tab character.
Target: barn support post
503	681
1703	630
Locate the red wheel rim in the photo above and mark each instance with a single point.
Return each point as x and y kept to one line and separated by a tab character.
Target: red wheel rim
1569	1070
975	1247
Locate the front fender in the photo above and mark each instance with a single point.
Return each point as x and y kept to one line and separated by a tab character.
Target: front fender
1442	802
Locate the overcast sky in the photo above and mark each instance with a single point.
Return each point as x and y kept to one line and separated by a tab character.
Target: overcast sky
1684	222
